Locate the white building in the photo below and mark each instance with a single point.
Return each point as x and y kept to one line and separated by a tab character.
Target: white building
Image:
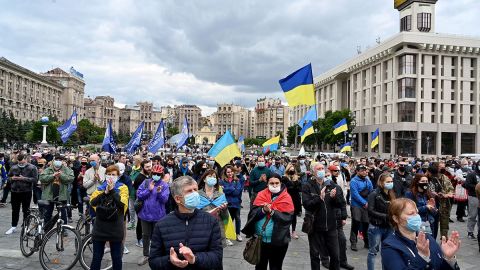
420	88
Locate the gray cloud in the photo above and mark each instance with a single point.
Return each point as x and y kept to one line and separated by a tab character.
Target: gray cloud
202	52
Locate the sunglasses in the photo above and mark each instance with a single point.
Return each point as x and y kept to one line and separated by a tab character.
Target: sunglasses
157	174
335	171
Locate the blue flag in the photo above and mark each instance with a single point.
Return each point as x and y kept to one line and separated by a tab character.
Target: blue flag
136	139
185	134
311	115
66	130
109	144
158	139
241	143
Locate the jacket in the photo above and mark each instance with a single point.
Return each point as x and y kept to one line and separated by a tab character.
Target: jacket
357	185
199	231
153	202
401	183
324	211
47	179
378	203
399	253
233	191
421	201
294	188
110	230
470	183
29	177
89	181
255	182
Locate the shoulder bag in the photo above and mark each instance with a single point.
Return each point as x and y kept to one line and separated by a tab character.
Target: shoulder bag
253	247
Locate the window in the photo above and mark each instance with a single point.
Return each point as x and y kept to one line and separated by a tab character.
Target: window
407	64
406	112
387	142
406	23
406	88
429	142
424	21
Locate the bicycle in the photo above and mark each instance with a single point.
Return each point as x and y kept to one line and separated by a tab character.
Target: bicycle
55	244
86	255
85	222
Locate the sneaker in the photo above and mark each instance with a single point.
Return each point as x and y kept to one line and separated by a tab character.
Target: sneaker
294	235
11	230
125	250
106	250
460	220
229	243
143	260
353	247
239	238
139	243
471	236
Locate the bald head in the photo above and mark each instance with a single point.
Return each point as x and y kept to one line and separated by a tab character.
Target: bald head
94	157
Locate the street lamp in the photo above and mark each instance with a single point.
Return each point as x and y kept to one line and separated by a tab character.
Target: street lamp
44	121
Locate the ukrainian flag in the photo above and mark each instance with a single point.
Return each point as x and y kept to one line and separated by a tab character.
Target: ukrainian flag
298	87
340	126
306	131
375	138
347	147
225	149
271	145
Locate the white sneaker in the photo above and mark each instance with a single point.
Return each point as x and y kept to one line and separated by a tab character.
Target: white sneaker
106	250
239	238
125	250
229	243
11	230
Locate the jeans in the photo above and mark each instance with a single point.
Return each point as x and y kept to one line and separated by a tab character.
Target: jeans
376	235
342	246
235	214
81	193
271	255
6	190
22	199
131	210
472	213
116	252
326	241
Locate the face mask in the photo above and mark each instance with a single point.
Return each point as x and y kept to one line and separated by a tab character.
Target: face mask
328	181
389	186
302	161
414	223
275	189
156	177
57	163
321	174
22	165
291	172
401	169
84	163
93	163
211	163
192	200
211	181
111	178
423	186
261	164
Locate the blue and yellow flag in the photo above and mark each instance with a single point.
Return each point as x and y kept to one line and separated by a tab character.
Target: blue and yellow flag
311	115
298	87
271	145
347	147
306	131
340	127
225	149
375	138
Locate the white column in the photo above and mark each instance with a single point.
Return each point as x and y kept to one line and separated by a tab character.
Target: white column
44	140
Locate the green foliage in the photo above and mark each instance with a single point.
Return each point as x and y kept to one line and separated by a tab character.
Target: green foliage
35	135
291	134
254	141
172	130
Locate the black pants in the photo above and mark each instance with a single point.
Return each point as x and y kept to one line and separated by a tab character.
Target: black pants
138	229
359	226
294	223
147	228
320	242
342	245
235	215
461	206
23	199
6	190
49	212
116	252
37	194
271	255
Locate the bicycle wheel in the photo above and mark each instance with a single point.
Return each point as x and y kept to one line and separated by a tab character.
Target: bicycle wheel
86	255
59	251
28	234
83	227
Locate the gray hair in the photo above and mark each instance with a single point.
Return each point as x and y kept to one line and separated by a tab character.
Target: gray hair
178	184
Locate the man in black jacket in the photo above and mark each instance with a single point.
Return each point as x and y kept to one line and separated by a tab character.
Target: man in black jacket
401	180
469	185
186	238
321	198
23	176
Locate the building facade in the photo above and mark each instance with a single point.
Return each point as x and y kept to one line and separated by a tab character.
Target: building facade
101	110
131	116
28	95
420	88
235	118
193	114
272	118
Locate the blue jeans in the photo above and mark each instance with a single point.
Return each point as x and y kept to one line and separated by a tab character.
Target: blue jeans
375	237
116	252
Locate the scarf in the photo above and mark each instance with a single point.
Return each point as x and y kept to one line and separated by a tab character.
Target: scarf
204	201
116	188
282	203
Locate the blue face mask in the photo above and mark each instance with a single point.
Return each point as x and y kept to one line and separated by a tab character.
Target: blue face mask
261	164
192	200
156	178
328	181
389	186
414	223
321	174
93	163
211	181
57	163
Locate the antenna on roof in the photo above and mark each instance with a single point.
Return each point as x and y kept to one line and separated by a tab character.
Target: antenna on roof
378	40
359	49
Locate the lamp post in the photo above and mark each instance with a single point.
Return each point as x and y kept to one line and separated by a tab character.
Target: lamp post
44	121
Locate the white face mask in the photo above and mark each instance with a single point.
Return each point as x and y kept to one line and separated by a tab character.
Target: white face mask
112	178
275	189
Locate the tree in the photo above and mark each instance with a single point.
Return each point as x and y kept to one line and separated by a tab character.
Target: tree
325	126
89	133
172	130
35	135
254	141
291	134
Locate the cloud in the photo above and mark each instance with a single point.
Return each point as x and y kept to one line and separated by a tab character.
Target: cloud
201	52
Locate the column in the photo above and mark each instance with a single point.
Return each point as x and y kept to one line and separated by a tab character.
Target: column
419	143
439	143
458	148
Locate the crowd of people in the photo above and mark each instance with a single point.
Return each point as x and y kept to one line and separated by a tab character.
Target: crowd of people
185	208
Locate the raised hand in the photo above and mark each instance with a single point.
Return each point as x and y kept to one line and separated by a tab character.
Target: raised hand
152	184
423	245
450	246
175	260
333	193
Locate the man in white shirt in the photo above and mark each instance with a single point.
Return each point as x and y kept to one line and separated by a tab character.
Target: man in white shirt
94	176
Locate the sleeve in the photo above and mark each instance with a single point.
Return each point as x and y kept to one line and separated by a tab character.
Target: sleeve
392	260
341	203
95	198
159	254
355	193
32	175
164	193
124	198
470	182
46	177
66	176
227	189
88	179
211	259
4	172
310	202
371	207
254	178
143	192
282	218
448	186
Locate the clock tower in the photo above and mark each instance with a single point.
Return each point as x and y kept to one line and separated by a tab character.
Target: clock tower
416	15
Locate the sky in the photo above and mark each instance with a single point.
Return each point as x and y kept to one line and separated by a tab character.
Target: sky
201	52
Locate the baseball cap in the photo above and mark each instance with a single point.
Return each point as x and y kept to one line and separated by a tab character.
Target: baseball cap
333	168
361	167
